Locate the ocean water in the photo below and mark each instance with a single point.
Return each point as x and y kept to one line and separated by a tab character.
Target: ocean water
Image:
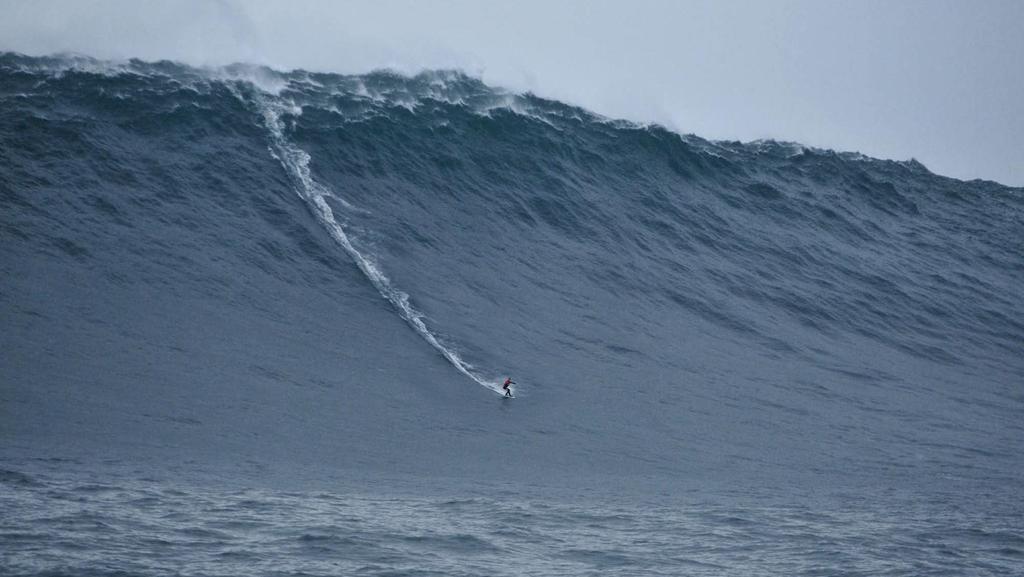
98	524
254	322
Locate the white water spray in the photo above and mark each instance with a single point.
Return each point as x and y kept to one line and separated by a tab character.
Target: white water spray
296	163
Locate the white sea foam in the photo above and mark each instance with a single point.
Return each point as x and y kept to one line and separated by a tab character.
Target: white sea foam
261	77
296	163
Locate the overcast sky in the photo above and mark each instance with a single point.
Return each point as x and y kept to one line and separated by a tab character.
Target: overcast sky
937	80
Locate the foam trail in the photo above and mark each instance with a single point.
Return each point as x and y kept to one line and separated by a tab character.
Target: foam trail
296	163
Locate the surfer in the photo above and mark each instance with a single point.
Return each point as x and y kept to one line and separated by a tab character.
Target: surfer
508	386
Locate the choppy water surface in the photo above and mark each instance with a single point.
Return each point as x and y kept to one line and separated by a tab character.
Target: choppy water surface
64	525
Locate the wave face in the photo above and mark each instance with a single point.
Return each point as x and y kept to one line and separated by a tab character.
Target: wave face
336	271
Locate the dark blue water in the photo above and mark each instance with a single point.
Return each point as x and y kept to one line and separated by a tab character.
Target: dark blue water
254	321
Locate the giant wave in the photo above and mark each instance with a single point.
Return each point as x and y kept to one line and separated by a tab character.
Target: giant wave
225	264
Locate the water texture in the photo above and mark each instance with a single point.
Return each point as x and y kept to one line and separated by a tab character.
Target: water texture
221	289
63	526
